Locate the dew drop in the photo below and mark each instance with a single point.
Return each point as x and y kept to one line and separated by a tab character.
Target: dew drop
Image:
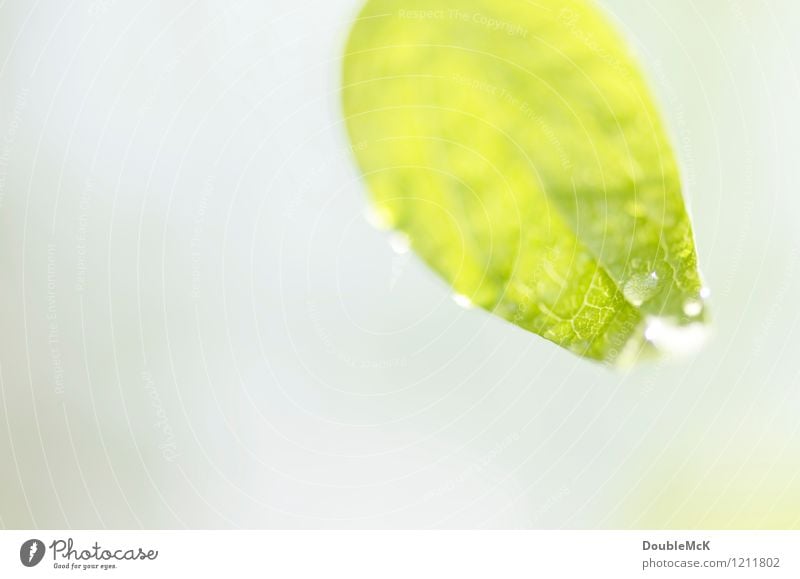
640	287
692	307
400	243
463	301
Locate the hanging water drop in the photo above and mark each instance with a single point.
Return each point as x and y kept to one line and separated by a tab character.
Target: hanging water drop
692	307
400	243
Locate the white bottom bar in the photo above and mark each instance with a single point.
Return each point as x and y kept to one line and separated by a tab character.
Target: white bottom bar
401	554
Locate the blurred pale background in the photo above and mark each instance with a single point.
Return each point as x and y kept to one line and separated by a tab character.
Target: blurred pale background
200	329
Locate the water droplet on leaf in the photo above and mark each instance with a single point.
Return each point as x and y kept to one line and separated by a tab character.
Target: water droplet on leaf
640	287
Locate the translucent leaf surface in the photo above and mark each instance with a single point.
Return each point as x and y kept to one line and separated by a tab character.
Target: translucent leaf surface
517	146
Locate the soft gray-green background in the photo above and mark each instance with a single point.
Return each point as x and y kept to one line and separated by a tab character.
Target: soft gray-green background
199	329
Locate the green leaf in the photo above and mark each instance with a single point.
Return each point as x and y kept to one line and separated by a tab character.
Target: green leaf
517	147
